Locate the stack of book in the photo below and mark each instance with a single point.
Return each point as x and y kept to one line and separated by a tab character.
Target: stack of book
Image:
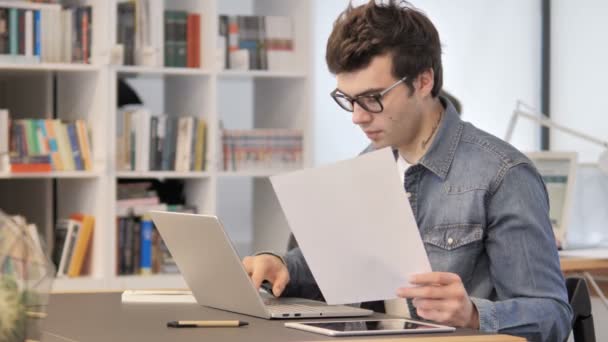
72	245
160	142
182	39
262	149
33	33
256	42
140	249
179	45
44	145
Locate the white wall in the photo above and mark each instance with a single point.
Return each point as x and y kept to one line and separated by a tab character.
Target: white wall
579	73
491	58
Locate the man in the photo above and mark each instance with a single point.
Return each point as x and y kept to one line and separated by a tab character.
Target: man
481	207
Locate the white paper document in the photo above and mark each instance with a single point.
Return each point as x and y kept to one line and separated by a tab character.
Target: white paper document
355	227
157	296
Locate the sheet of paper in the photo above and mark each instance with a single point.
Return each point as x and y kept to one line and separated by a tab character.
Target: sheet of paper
157	296
355	227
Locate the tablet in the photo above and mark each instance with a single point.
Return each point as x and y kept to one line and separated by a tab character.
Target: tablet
369	327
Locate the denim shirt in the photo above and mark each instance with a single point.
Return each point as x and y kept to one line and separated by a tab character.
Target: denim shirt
483	213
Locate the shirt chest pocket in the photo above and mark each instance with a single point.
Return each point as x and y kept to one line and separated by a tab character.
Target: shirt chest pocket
453	236
454	247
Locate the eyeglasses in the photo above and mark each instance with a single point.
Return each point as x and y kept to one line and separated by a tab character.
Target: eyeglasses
370	102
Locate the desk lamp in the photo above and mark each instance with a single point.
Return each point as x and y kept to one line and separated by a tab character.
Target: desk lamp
528	112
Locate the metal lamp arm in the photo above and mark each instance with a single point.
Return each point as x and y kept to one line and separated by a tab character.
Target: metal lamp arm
543	121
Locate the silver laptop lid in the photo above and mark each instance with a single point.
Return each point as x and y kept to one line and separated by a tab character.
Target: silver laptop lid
208	262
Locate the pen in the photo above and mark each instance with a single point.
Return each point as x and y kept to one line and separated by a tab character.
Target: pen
205	324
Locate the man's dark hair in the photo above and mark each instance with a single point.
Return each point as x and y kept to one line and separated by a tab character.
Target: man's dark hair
396	27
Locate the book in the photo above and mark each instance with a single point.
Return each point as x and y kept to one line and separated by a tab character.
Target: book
49	129
75	146
23	164
85	147
4	140
67	250
82	244
4	31
63	144
59	236
126	30
145	257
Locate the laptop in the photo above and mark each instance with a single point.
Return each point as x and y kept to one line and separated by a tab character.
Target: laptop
215	274
558	170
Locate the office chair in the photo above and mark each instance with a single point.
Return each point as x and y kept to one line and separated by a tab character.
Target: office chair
582	320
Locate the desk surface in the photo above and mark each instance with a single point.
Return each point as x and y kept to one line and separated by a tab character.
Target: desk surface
102	317
572	264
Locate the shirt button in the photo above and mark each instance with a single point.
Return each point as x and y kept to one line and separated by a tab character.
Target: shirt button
408	194
450	241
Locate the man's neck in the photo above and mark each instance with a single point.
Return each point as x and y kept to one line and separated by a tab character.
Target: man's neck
413	152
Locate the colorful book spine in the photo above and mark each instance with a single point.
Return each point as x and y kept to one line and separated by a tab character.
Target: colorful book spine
145	258
37	36
13	31
85	147
82	245
63	143
75	148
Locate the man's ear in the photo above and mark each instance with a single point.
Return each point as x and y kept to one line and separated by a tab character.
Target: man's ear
425	82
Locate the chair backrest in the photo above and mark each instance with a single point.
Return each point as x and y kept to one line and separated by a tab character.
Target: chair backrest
582	320
292	243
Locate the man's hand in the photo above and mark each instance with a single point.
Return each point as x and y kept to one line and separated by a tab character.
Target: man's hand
267	267
441	297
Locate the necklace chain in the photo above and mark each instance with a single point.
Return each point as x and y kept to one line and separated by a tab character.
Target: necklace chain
426	141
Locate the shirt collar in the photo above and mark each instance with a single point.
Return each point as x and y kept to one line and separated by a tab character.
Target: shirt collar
438	158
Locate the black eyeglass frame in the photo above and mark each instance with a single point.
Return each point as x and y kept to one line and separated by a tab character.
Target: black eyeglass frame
376	96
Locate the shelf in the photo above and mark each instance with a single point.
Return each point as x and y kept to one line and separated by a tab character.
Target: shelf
153	281
240	99
162	174
51	175
144	70
261	74
254	174
62	67
77	284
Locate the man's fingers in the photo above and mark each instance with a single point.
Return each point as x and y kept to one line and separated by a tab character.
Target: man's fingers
434	315
431	292
434	278
248	265
434	304
280	281
257	277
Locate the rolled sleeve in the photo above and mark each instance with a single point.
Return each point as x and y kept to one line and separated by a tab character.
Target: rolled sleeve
488	322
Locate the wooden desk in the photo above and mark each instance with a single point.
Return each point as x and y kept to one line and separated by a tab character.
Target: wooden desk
574	264
102	317
588	267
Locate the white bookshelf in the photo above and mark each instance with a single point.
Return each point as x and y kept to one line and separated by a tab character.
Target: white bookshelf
62	67
252	174
52	175
163	175
142	70
261	74
244	200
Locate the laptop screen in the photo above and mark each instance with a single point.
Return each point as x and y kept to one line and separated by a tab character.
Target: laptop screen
558	172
